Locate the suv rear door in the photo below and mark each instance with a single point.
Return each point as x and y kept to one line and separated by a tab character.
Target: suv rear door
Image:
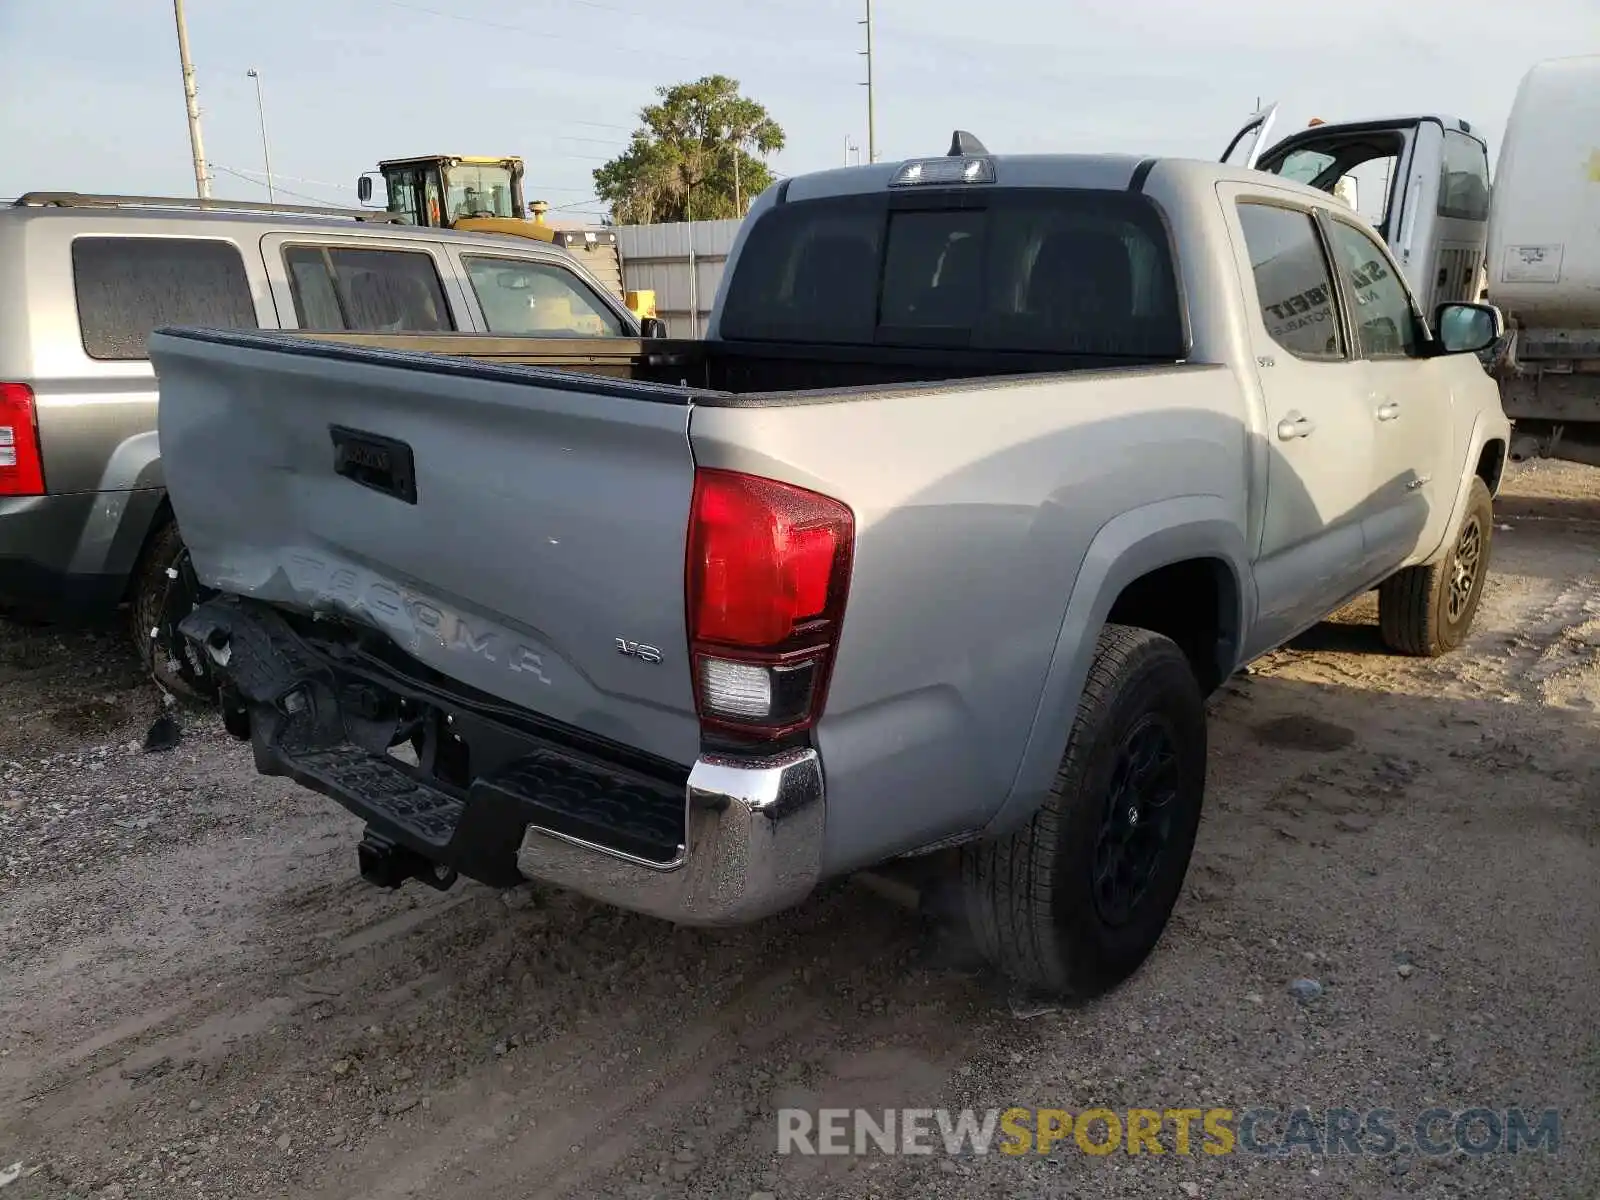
331	283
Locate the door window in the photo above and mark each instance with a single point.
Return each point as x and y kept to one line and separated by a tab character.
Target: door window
1293	286
404	201
368	291
523	298
1464	178
128	286
1385	320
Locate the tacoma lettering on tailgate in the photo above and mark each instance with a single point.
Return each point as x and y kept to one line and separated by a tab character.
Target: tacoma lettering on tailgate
402	612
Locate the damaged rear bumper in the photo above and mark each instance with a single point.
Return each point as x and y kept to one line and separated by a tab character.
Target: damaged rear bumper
501	796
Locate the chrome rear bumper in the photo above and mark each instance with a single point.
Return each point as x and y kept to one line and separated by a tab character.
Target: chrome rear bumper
739	839
754	847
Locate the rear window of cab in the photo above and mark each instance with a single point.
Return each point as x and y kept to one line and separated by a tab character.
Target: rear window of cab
1032	270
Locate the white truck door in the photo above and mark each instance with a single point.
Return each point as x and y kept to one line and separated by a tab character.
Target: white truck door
1408	397
1259	124
1424	186
1319	434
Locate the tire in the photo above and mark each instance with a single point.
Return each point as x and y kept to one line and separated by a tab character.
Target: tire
164	591
1039	903
1426	611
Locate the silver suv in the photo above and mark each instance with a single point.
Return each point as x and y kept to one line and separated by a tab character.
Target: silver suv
85	527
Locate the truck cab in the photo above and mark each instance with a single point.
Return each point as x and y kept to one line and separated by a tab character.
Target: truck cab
1422	180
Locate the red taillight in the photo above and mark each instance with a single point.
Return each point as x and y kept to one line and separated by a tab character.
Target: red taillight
768	572
21	468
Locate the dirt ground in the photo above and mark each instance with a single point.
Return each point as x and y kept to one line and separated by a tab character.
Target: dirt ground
199	996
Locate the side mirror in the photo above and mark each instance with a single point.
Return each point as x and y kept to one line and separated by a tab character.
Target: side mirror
364	188
652	327
1467	328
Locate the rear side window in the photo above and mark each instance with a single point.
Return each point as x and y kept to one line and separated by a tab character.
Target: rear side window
1464	178
366	291
1293	285
130	286
1071	272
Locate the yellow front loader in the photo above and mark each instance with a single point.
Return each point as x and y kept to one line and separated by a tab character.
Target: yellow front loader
484	195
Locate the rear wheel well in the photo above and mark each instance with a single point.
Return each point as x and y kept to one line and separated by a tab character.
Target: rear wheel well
159	520
1193	602
1491	464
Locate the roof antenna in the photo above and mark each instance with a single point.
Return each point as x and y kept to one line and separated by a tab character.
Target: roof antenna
963	144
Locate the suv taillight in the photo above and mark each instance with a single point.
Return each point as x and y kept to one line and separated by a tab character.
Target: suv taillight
21	467
768	573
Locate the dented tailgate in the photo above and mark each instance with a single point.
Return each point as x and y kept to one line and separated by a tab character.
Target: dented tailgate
521	531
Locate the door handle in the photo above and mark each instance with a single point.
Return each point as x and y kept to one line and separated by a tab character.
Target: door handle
1294	426
1389	410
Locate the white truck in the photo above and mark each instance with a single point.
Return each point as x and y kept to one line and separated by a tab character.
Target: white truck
1544	261
1533	252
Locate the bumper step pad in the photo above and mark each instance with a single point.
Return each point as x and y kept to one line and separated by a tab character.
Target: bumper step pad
476	831
594	806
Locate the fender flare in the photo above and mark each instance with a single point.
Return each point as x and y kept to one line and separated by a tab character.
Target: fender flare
130	497
1486	428
1127	547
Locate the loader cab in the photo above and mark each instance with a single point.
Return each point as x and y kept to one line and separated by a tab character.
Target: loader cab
450	192
1422	181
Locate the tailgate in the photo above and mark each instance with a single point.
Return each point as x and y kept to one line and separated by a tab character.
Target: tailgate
522	532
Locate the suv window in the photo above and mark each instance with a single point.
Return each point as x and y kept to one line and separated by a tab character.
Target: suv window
1464	178
1293	285
1385	320
129	286
523	298
367	291
1070	272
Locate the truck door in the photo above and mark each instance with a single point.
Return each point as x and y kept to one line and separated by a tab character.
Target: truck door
1424	185
1318	434
1408	401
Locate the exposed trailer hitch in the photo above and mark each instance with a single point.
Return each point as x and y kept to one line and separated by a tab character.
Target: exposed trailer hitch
387	864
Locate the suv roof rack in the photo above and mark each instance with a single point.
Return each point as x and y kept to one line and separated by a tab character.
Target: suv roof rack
89	200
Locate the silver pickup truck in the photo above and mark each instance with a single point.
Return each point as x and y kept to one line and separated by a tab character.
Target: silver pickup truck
990	470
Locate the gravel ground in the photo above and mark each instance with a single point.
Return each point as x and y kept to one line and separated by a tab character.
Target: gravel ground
198	996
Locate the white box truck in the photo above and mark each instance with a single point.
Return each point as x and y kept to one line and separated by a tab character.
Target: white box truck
1544	261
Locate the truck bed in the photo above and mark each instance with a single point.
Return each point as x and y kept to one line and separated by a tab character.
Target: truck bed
734	368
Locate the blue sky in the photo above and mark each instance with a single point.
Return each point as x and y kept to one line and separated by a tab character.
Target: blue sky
91	96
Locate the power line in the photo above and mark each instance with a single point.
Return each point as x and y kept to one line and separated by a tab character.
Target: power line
297	195
277	175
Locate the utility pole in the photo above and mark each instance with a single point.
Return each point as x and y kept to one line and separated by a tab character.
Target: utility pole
261	116
191	99
872	131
